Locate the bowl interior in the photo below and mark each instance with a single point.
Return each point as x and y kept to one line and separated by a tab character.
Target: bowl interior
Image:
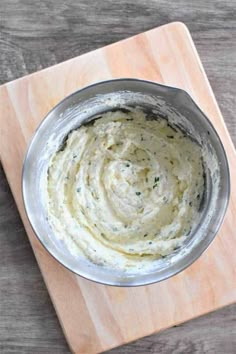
156	100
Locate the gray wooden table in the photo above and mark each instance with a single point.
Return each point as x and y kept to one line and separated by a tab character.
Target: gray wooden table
37	34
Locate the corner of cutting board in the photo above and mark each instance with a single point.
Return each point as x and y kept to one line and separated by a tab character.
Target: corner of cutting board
178	25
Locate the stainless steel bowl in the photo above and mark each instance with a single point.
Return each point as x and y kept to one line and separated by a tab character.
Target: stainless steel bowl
80	107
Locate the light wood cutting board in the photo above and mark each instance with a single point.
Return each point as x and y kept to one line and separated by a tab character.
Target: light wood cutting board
94	317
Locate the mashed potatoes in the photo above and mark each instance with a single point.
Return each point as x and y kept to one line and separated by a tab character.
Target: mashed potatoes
124	191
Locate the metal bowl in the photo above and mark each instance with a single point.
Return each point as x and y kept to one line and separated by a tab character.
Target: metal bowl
80	107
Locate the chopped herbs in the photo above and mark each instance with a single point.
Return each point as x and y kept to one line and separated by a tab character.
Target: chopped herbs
78	189
188	233
138	193
156	180
127	165
145	235
170	136
150	243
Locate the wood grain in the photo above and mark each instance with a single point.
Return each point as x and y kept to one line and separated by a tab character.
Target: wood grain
96	317
209	29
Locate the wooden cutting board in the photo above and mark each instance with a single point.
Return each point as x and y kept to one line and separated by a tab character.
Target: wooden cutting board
94	317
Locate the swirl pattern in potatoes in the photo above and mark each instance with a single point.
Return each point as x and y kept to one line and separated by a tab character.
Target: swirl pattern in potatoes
125	190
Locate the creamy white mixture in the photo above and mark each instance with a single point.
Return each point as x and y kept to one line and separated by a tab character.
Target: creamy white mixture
124	191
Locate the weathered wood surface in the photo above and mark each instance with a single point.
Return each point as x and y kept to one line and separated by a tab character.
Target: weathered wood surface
38	34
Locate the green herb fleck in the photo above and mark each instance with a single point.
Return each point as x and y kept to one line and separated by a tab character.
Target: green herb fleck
170	136
127	165
156	179
74	156
145	235
78	189
154	186
138	193
150	243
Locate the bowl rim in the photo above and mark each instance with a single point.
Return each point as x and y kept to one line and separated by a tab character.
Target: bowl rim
131	282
